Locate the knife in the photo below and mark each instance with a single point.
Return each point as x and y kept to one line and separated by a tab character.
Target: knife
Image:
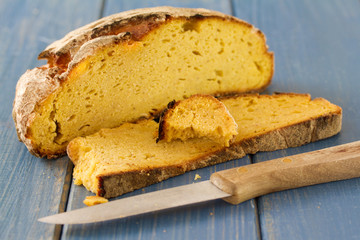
234	185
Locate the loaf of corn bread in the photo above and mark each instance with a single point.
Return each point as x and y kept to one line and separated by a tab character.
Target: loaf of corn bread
198	116
129	65
115	161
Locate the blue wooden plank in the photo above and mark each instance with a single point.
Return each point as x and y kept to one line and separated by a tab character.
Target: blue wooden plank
31	187
213	220
113	6
316	47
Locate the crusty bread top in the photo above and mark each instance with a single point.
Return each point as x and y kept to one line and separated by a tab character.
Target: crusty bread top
138	22
28	94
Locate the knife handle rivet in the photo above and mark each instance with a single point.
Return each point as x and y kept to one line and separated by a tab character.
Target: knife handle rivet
242	170
287	160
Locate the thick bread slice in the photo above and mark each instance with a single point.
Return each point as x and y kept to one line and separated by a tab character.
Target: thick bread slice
115	161
129	65
195	117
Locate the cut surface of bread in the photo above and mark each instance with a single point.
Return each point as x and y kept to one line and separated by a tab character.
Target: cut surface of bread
112	162
196	117
128	66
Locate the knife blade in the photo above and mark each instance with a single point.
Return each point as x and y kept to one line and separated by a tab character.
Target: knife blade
143	203
234	185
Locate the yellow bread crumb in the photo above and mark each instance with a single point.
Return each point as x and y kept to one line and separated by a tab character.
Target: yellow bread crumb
94	200
197	176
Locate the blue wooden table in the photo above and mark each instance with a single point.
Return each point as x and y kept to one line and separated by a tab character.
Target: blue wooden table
317	51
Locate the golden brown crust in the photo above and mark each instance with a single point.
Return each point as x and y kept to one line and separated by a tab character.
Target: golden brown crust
117	184
163	121
290	136
32	88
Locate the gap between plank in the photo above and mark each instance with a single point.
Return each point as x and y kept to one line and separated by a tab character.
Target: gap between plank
64	197
232	9
102	9
69	170
256	209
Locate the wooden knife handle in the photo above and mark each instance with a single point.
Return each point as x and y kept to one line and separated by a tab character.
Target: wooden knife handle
326	165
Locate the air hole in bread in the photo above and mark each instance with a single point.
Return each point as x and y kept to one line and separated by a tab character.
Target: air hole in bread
258	67
219	130
197	53
219	73
191	26
101	67
71	117
251	102
84	126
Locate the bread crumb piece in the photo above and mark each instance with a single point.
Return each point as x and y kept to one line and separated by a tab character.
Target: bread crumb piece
197	176
94	200
200	116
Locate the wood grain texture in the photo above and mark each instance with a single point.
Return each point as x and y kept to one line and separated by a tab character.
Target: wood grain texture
316	49
31	187
322	166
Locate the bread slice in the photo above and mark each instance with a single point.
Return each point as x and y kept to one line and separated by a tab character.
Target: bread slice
129	65
196	117
112	162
